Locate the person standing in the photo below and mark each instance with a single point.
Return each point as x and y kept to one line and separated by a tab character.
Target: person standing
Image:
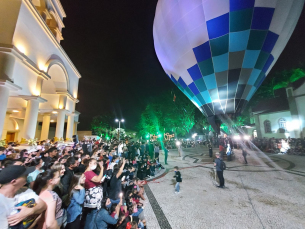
67	177
221	149
229	152
210	150
165	155
218	163
244	153
178	179
157	150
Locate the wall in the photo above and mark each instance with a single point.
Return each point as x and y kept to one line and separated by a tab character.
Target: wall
300	101
40	48
274	118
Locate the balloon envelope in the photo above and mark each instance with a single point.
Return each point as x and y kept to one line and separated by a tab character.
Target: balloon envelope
218	52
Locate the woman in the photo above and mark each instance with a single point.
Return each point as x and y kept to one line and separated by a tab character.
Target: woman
94	191
44	184
38	163
61	169
76	197
101	219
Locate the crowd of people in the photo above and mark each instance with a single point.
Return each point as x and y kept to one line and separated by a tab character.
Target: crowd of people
90	184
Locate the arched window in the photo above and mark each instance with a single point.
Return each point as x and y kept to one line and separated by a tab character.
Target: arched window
267	125
282	125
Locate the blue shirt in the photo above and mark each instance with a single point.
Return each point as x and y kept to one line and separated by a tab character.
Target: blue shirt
75	208
33	175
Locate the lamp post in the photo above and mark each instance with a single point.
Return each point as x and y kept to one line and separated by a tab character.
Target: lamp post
119	121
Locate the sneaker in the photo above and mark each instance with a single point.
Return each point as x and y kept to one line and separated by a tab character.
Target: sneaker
218	186
176	192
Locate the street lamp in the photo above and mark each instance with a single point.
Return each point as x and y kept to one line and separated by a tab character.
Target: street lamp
119	121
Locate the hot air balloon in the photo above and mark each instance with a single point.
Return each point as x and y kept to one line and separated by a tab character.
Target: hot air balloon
218	52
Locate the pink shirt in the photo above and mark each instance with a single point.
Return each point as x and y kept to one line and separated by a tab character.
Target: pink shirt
88	183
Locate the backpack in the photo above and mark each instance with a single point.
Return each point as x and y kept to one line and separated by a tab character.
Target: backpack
223	165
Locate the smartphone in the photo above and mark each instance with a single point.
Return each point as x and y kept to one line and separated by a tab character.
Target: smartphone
123	178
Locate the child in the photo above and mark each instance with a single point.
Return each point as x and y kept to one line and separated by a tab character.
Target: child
76	197
178	179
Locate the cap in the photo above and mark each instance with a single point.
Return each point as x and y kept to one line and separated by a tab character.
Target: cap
13	172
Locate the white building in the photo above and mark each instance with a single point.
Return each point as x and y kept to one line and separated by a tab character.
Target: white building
283	116
38	81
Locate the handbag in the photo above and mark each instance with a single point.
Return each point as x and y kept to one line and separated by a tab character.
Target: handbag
93	197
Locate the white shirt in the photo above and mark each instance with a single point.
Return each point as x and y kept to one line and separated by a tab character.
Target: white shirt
7	205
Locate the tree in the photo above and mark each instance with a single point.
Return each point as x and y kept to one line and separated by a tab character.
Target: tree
163	114
102	124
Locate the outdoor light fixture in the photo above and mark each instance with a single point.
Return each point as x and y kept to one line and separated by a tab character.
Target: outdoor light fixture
194	135
51	120
246	137
236	137
178	143
119	121
54	112
21	48
15	111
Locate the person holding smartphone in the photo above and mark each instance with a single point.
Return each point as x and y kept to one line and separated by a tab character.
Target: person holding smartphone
116	183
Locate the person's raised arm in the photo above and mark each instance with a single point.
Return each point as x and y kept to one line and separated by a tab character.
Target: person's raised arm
121	169
26	212
100	176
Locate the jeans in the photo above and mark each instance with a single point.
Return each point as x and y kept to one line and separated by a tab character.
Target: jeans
221	179
136	214
177	187
141	225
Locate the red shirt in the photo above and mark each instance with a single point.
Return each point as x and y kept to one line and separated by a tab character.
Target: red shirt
88	183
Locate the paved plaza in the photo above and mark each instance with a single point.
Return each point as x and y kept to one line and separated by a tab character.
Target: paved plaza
267	193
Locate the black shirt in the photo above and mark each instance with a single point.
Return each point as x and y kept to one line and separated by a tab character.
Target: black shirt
80	169
115	188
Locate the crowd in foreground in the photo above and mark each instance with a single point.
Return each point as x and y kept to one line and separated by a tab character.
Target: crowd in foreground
92	184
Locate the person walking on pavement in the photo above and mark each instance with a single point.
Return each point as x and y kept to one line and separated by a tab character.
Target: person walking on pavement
219	170
244	153
178	179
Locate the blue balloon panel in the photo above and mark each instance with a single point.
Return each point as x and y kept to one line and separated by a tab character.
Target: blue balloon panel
218	52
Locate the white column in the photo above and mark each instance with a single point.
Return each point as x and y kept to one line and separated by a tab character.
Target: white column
60	123
70	125
45	126
75	128
30	120
4	94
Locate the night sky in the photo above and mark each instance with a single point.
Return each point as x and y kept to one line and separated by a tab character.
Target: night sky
111	44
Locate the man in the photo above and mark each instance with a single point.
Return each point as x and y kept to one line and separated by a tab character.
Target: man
165	155
81	168
67	177
157	150
142	149
52	154
210	150
244	153
217	163
13	178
